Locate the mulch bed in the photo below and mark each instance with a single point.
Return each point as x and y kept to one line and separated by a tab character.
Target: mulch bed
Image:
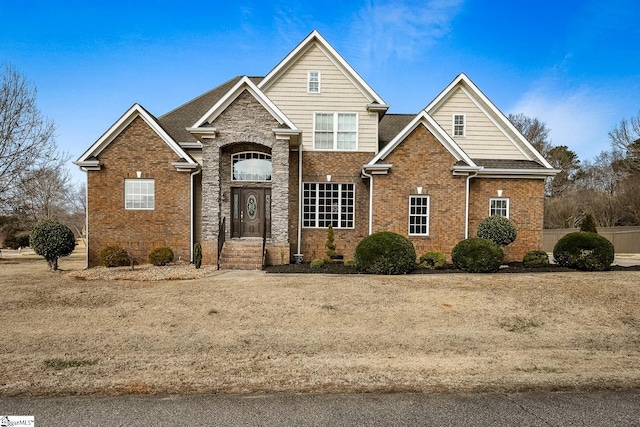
340	268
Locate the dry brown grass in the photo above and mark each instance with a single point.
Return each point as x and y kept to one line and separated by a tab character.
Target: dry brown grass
227	332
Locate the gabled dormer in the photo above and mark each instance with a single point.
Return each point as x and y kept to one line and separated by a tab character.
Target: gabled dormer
335	109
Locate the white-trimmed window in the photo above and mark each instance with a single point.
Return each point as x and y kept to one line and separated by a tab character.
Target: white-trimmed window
139	194
327	203
313	85
335	131
459	128
418	215
499	206
251	166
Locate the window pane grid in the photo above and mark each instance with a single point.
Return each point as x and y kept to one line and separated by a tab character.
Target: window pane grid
419	215
251	166
139	194
458	125
499	207
338	131
327	204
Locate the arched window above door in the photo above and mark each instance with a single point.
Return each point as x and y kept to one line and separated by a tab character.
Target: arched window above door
251	166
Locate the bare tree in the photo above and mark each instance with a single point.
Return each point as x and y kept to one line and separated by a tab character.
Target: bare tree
535	131
25	135
625	139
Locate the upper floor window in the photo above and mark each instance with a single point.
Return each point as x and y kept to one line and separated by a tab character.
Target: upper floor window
418	215
459	125
139	194
335	131
499	207
251	166
314	82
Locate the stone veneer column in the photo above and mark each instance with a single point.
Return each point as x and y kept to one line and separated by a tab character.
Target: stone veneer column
210	191
280	192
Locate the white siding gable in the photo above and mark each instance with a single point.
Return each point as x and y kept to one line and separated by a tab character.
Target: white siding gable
484	138
338	94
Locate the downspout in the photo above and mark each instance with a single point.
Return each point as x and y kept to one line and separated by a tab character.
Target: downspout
466	221
298	255
86	221
370	200
193	208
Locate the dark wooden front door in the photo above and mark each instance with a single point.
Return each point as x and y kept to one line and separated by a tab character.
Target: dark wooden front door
250	211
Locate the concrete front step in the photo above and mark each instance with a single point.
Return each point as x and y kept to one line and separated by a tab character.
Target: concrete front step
241	255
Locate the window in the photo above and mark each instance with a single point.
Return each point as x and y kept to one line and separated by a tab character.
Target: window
251	166
458	125
314	82
328	203
139	194
335	131
418	215
499	207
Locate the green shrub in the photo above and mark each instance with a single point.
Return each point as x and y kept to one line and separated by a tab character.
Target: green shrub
114	256
498	229
16	239
52	240
536	259
385	252
584	251
477	255
350	262
330	244
432	260
588	224
162	255
316	264
197	255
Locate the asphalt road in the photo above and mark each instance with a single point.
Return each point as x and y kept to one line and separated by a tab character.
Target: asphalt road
525	409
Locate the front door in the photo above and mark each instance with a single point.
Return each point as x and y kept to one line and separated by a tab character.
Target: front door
251	212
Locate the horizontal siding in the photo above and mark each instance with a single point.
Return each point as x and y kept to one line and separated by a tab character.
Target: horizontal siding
483	138
337	94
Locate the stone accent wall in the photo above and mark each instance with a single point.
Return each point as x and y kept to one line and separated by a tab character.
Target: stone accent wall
421	161
245	124
526	206
138	148
344	167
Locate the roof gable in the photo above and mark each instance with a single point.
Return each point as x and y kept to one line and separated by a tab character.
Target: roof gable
243	84
427	121
492	113
89	158
315	39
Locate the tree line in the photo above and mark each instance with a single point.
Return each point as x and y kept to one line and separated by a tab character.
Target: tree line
606	187
35	182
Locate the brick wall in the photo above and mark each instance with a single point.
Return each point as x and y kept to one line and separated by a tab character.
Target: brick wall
421	161
138	148
344	167
526	206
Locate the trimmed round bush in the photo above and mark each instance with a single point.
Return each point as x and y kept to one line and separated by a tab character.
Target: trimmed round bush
162	255
584	251
432	260
477	255
385	252
535	259
498	229
114	256
52	240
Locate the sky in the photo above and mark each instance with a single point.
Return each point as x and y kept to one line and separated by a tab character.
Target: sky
575	65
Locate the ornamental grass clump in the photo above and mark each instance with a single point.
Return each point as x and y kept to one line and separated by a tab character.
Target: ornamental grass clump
115	256
584	251
535	259
477	255
385	252
160	256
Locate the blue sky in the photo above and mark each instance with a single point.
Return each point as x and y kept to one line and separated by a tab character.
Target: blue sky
573	64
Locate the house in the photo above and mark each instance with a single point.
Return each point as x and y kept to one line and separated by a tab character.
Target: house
274	160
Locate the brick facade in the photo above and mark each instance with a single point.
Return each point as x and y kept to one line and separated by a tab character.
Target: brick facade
138	148
526	206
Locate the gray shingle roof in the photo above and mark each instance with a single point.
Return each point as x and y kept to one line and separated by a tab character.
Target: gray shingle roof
175	121
390	126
